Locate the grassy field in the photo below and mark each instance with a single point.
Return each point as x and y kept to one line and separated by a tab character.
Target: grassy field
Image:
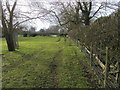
42	62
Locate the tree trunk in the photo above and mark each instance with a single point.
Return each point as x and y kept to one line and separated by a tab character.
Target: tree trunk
87	20
15	38
10	42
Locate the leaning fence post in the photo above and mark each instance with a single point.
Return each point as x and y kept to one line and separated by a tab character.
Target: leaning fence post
106	68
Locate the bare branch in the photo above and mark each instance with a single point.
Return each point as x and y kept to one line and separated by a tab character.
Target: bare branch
18	23
79	3
59	19
14	6
90	6
85	5
96	11
3	22
8	8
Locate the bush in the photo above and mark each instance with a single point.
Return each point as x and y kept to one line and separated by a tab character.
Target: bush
25	35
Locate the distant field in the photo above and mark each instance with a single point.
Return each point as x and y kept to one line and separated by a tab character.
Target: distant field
43	62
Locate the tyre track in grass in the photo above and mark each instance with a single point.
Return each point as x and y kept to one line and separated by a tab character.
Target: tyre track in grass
53	69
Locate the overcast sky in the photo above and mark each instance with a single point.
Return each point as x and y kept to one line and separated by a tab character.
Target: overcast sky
25	6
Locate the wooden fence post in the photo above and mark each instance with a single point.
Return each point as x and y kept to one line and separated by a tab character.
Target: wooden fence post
118	74
106	68
100	49
91	54
118	69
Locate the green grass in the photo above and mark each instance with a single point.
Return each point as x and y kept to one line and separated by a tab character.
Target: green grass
29	66
70	71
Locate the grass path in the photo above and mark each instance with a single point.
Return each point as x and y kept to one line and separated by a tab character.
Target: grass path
53	69
41	62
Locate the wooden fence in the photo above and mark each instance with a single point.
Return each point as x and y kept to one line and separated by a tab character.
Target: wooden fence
106	73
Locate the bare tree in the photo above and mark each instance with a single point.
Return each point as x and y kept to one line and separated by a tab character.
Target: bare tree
76	12
8	26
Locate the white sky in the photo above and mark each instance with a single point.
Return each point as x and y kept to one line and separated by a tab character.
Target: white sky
23	5
38	23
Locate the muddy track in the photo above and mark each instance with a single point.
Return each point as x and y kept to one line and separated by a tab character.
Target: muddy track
53	69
